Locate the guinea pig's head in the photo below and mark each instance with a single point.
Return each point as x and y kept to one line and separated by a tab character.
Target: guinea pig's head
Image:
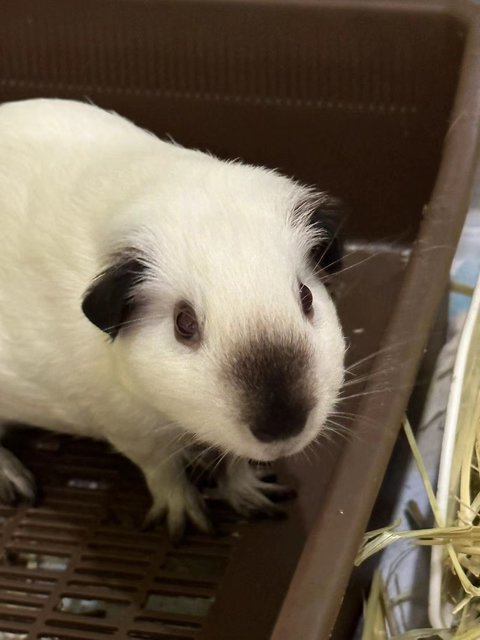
216	307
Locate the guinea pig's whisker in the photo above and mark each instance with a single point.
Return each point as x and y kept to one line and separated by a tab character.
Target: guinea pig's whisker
389	240
325	434
214	465
337	427
336	430
340	260
197	469
221	457
344	417
436	247
335	434
327	441
352	422
306	453
371	256
175	452
324	442
162	426
353	370
204	451
386	387
353	417
340	417
366	392
367	377
318	443
330	243
180	437
382	351
347	433
371	392
134	321
191	462
311	456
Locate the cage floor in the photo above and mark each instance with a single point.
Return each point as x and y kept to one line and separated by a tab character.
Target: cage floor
79	564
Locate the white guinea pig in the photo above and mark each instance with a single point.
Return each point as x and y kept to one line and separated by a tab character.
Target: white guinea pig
160	298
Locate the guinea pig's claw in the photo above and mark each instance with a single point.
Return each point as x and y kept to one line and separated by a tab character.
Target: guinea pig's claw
271	487
194	511
182	505
152	518
270	513
254	493
17	484
266	476
279	492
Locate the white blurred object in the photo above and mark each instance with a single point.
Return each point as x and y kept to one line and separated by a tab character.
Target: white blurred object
405	567
459	415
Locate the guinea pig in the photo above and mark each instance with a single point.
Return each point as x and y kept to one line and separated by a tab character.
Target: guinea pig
160	298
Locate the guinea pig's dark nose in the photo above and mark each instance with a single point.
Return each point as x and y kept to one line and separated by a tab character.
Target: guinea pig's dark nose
273	374
280	425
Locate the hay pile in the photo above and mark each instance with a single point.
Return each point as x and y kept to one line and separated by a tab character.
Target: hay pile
459	539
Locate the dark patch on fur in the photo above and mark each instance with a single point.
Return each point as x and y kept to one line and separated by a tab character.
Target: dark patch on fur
276	395
110	301
328	218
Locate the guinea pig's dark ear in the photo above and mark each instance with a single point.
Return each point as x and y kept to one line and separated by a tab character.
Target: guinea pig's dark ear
328	219
110	299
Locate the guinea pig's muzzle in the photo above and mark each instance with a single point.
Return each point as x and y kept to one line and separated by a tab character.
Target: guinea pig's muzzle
275	389
280	422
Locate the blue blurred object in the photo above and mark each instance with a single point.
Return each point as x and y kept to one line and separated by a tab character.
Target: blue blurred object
466	265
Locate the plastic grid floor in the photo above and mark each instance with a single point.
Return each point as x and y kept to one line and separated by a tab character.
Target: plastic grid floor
79	566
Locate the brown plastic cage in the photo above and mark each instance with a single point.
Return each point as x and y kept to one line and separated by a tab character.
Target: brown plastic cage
375	101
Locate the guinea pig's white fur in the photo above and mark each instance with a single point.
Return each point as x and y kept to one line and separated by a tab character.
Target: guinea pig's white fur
79	189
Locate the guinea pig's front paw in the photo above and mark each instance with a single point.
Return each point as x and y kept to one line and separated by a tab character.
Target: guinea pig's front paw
177	504
16	482
252	492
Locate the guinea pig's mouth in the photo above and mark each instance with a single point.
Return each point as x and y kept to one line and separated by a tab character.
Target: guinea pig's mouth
268	452
285	450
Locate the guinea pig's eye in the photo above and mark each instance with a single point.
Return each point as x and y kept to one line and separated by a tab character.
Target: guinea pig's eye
306	299
186	323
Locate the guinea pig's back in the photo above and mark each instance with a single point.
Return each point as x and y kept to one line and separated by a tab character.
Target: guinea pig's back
58	191
52	121
65	168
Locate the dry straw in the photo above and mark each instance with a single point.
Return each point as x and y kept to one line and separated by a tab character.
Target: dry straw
461	542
